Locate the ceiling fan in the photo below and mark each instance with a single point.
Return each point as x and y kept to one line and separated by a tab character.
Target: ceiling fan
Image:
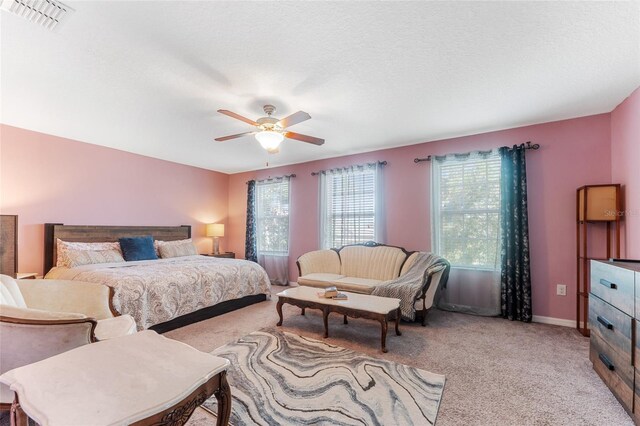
270	131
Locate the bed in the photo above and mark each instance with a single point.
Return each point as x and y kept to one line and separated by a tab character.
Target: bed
161	294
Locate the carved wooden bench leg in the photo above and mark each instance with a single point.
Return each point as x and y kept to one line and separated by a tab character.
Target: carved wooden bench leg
303	311
18	417
345	320
398	318
223	396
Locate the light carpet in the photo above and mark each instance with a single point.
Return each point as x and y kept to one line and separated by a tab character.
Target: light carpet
283	379
498	372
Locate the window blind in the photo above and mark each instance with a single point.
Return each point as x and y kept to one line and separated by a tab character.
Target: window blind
272	217
348	206
466	210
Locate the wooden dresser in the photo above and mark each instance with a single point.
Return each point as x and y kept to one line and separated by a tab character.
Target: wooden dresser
614	320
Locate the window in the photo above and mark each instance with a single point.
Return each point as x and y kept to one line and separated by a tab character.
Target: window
350	205
466	209
272	217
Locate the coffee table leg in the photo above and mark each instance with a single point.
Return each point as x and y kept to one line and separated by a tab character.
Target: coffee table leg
345	320
384	323
279	309
223	396
303	309
398	317
325	318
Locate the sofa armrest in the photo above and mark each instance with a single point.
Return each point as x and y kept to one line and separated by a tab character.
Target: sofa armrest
90	299
323	261
435	281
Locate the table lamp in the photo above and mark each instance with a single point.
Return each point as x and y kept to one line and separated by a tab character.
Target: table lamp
215	230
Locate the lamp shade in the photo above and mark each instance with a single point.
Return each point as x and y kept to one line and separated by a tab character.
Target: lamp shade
599	203
215	230
269	139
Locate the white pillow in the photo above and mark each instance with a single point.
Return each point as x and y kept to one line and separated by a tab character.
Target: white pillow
90	257
10	293
178	248
63	248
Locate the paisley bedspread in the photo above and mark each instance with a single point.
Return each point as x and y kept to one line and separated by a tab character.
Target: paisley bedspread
155	291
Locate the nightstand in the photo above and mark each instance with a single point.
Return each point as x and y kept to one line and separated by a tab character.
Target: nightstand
228	255
26	275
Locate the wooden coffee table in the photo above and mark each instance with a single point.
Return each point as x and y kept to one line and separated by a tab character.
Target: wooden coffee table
377	308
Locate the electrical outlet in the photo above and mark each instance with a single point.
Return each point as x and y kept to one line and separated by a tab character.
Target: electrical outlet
561	290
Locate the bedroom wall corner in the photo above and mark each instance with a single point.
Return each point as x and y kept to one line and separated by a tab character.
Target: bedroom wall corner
45	178
625	156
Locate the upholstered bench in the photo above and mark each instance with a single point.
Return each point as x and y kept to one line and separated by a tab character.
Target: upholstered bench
140	379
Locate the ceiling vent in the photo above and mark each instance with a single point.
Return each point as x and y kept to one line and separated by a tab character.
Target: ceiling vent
49	14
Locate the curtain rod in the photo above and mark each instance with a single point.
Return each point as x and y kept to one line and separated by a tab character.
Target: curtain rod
269	179
527	145
382	163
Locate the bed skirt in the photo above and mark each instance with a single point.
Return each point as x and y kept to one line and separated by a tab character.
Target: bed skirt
208	312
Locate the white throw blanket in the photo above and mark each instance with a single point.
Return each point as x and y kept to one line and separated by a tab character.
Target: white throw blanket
409	286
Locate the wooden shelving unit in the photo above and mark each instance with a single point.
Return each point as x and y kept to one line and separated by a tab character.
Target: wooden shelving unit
596	205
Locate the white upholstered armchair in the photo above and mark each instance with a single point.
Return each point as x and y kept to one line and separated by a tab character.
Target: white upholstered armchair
42	318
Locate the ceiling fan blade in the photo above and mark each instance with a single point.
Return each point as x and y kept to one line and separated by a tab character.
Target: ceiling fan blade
239	135
304	138
295	118
237	116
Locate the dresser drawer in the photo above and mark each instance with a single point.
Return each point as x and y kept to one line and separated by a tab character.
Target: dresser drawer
636	399
612	325
637	295
614	285
615	370
636	360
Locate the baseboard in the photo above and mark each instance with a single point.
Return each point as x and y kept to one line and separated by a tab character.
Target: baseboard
555	321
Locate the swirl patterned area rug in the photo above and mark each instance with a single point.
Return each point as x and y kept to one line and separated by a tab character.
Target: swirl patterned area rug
279	378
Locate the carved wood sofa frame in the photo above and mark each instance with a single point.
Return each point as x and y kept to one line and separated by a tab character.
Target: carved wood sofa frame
427	279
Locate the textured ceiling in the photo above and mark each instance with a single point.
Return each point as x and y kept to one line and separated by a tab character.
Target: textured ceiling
147	77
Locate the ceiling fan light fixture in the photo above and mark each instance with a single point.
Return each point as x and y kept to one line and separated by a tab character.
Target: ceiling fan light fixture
269	139
270	131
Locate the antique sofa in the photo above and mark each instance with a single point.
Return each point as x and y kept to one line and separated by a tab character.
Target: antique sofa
359	268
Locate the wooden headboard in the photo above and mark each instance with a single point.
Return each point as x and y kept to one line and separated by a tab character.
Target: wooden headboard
94	234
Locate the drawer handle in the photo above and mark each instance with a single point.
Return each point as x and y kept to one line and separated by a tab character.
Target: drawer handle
609	284
606	362
604	322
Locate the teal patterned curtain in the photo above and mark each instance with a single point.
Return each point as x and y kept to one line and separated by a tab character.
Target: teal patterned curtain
514	230
250	245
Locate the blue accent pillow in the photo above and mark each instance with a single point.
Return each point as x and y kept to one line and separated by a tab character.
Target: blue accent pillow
138	248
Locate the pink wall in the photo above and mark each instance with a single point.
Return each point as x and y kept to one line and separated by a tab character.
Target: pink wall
45	178
50	179
574	152
625	167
